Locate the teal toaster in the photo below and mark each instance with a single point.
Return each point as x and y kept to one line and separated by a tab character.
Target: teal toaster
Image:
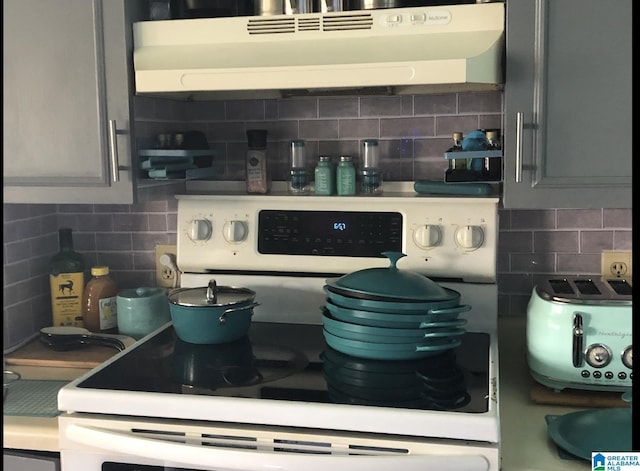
579	334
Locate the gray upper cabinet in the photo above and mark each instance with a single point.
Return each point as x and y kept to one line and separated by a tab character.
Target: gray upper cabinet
67	102
567	129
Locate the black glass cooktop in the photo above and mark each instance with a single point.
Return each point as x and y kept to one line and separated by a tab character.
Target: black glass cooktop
292	362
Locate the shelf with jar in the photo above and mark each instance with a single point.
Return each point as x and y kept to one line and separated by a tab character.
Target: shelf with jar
177	156
476	158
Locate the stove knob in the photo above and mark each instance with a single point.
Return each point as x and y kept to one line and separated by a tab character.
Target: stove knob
428	236
235	231
200	229
598	355
469	237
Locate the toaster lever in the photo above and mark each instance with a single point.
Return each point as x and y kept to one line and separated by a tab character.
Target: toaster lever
578	339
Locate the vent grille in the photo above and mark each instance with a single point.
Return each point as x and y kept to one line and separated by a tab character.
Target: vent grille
292	24
347	23
250	442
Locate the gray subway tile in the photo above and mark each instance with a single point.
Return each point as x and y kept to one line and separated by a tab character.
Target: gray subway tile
447	125
618	218
579	263
533	219
227	131
533	263
435	104
205	110
596	241
556	241
516	241
434	148
479	102
129	222
381	106
359	128
342	107
244	109
407	127
113	241
622	240
319	129
298	108
579	218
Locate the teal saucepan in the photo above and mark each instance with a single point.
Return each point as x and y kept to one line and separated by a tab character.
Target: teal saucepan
392	306
389	284
399	319
212	314
390	351
366	333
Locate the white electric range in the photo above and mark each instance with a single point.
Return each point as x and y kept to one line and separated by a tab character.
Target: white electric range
161	404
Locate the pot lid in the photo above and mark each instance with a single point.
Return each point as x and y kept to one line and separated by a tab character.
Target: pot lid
211	296
391	283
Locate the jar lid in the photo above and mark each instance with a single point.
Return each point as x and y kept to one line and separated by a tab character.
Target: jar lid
345	158
99	271
212	296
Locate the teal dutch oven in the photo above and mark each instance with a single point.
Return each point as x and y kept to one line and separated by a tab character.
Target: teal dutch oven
212	314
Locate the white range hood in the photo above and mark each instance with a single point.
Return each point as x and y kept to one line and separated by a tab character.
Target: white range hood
401	50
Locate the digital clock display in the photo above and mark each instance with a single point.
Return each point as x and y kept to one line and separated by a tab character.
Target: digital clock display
337	233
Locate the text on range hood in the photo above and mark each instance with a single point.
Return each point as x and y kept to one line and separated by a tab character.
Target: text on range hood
404	48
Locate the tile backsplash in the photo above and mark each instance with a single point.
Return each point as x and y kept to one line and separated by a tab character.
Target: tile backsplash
414	132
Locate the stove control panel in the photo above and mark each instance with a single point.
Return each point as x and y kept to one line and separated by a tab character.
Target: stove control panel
441	236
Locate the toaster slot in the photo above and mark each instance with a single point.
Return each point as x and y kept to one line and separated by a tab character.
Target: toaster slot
621	287
586	287
561	286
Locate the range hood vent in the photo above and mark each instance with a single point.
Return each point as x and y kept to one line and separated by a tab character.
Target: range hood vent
400	50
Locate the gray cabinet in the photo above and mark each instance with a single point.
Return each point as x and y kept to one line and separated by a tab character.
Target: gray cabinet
567	128
67	88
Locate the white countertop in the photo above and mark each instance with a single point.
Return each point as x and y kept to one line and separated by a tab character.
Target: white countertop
35	433
525	443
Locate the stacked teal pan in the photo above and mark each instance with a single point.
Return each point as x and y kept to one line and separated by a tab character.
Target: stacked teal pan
389	314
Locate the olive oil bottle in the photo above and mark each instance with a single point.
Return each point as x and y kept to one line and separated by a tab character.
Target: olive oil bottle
66	276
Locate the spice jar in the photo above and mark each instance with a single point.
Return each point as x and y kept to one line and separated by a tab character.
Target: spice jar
324	176
257	171
346	176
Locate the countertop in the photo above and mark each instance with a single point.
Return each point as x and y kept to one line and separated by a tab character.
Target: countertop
525	443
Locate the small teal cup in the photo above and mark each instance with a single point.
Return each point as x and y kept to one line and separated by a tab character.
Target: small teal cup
141	311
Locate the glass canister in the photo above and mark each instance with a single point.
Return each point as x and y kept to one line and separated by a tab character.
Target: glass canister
324	176
370	175
346	176
299	174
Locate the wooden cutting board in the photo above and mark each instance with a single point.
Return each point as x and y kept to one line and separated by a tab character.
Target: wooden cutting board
576	397
35	353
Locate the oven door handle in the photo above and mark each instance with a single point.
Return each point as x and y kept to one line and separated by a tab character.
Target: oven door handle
185	454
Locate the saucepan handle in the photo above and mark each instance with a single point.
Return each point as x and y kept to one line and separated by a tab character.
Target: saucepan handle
222	319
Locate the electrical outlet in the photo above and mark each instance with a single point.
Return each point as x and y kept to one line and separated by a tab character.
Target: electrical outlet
616	264
167	273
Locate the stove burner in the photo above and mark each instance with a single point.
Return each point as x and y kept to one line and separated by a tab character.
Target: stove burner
233	364
438	383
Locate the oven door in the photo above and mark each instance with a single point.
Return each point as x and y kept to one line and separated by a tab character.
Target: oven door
110	443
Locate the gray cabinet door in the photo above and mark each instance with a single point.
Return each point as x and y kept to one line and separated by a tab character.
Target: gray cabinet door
567	129
67	106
